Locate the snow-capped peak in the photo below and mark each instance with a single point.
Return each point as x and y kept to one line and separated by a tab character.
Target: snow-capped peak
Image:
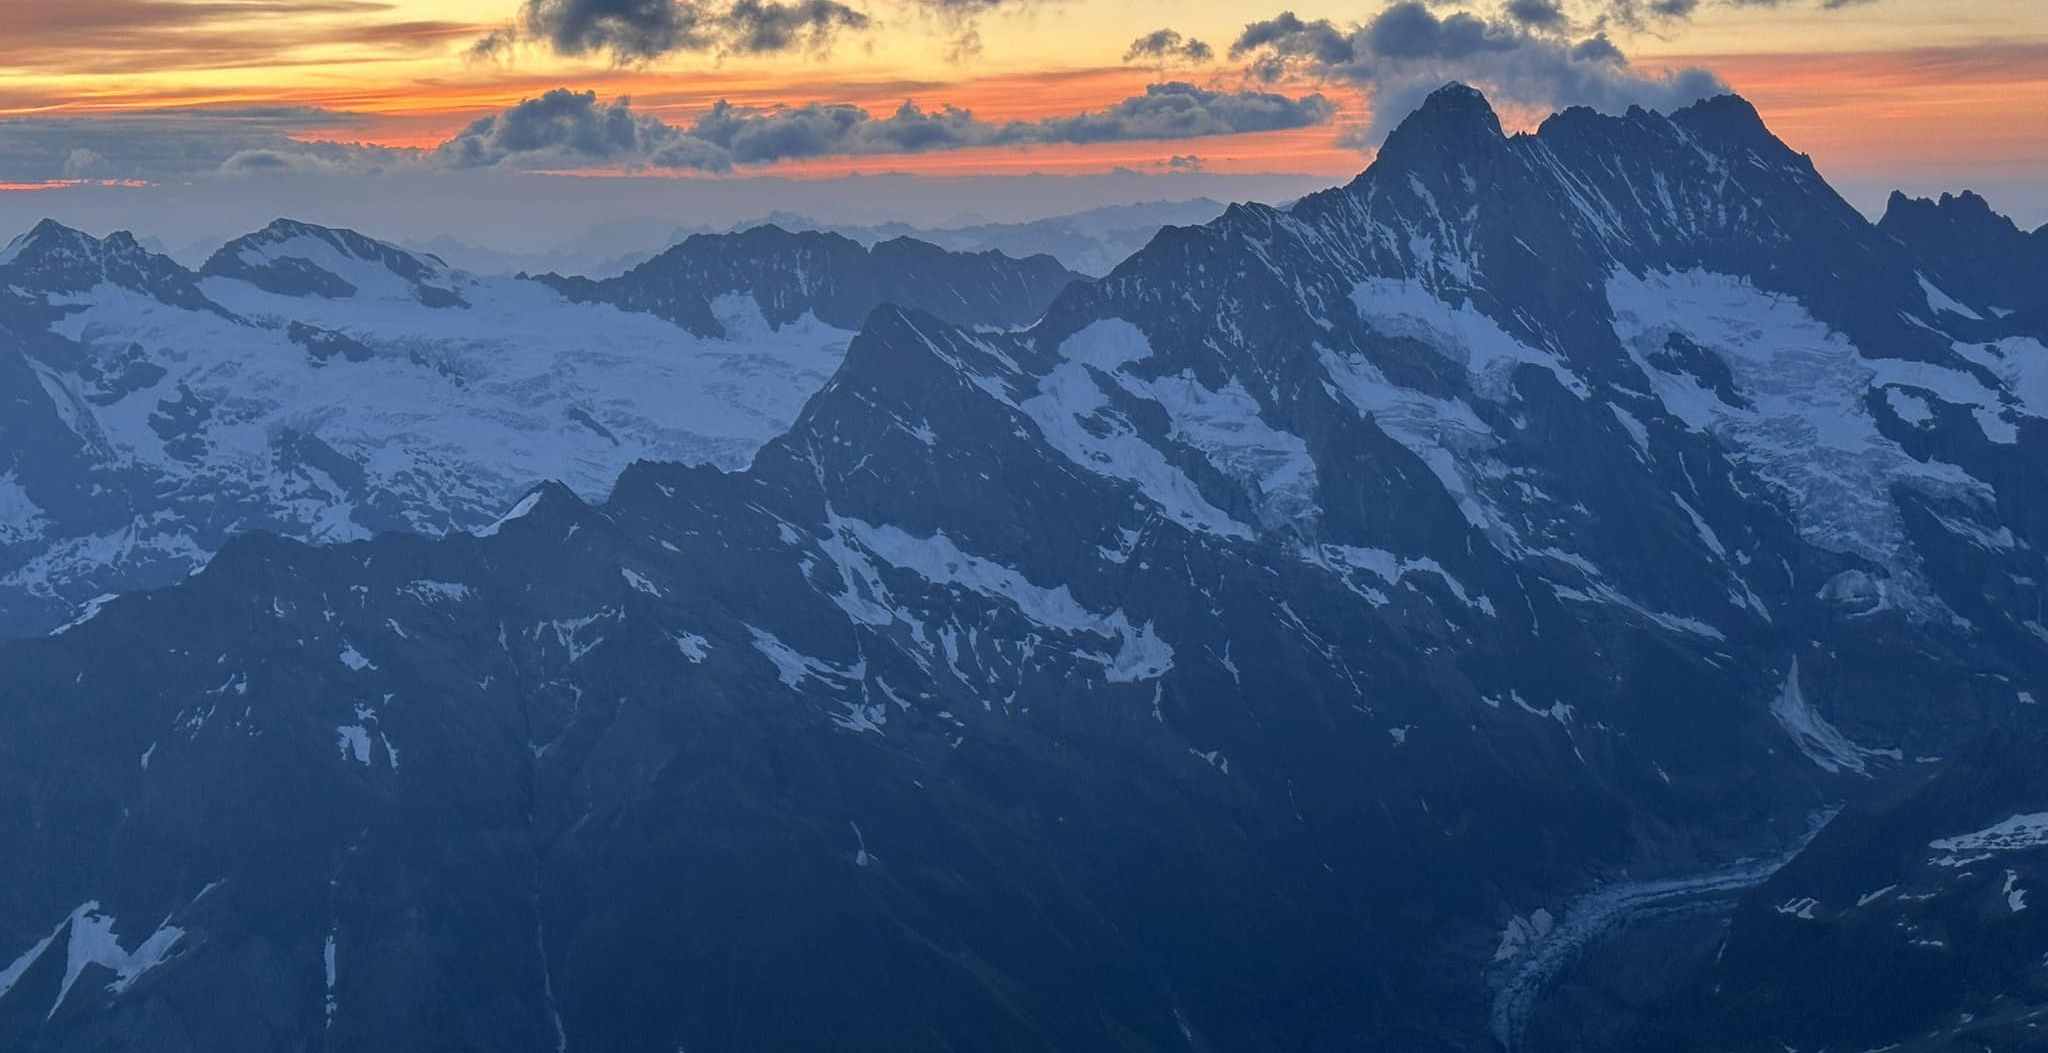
294	258
53	258
52	243
49	236
1450	113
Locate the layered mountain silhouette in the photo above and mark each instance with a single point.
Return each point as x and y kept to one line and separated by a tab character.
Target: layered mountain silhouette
829	276
1468	609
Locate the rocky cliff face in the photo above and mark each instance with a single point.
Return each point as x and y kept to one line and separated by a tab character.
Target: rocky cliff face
1388	623
1993	268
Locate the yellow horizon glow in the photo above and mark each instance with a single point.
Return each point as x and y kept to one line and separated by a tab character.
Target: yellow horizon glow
1847	85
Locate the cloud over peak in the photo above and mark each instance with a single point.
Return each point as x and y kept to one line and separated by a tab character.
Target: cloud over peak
1525	58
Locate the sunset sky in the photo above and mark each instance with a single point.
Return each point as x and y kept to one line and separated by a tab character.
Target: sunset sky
130	95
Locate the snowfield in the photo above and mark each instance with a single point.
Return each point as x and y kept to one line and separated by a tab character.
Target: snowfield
334	417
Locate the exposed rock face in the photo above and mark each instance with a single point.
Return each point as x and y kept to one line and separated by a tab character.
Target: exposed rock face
1983	261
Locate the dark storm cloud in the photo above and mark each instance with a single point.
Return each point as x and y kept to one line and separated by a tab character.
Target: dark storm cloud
1285	38
1166	46
627	30
1183	111
1407	50
631	32
757	26
564	128
562	125
1539	14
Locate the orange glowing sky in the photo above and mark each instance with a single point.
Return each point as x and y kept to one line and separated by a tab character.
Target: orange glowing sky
1955	83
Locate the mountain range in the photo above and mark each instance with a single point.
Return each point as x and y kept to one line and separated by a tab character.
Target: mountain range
324	385
1092	241
1571	590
